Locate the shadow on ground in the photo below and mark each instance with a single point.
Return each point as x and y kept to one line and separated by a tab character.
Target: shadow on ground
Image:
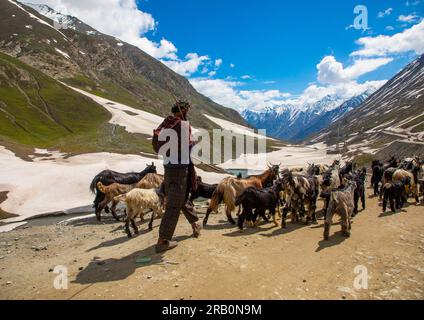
334	240
113	269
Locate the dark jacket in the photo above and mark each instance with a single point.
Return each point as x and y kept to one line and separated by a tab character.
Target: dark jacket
175	123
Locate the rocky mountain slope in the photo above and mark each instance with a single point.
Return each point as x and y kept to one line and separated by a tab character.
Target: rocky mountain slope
395	112
295	123
85	58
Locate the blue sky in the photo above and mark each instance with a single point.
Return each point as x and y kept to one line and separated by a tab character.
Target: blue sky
256	54
273	40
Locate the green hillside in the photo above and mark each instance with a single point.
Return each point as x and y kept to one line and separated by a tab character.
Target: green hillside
38	111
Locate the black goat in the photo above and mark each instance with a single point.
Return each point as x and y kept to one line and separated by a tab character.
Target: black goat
359	178
377	175
204	190
107	177
256	201
395	193
346	169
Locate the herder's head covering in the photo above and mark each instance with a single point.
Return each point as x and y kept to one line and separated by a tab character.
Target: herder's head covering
180	105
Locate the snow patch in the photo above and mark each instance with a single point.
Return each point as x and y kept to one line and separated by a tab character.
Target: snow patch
65	181
63	53
236	128
35	17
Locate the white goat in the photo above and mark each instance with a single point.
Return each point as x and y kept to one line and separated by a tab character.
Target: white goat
138	200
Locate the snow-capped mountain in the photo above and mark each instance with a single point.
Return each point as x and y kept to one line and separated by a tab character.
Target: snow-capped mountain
63	21
394	112
295	123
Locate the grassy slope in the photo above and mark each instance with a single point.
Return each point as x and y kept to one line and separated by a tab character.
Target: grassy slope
124	74
37	111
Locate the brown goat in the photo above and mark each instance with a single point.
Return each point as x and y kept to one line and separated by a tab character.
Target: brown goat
150	181
111	191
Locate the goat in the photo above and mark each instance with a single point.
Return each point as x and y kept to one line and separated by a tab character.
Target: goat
342	203
137	200
345	170
391	163
377	175
330	180
256	201
110	192
396	194
229	188
150	181
412	175
204	190
300	189
107	177
316	169
359	178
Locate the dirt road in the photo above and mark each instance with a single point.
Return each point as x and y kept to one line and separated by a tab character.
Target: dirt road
262	263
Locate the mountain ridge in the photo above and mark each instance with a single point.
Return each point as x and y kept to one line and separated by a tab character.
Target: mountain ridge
296	123
101	64
394	113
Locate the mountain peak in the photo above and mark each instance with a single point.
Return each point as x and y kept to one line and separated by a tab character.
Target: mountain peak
290	122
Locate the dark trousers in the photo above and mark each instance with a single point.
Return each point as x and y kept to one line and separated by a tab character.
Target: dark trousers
176	194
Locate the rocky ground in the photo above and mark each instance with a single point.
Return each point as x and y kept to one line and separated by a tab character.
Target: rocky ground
262	263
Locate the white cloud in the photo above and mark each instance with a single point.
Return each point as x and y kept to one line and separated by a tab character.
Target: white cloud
246	77
188	66
345	90
228	94
390	28
232	65
330	71
410	18
336	81
384	13
412	3
411	39
212	73
218	63
123	20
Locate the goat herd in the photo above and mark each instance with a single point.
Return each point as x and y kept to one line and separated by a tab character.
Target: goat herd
273	192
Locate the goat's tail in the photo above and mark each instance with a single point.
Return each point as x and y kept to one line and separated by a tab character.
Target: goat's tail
93	184
101	187
216	199
121	197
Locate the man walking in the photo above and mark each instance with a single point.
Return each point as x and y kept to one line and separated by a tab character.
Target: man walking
180	176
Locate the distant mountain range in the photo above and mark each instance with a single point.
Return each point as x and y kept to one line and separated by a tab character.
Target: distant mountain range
395	112
294	123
